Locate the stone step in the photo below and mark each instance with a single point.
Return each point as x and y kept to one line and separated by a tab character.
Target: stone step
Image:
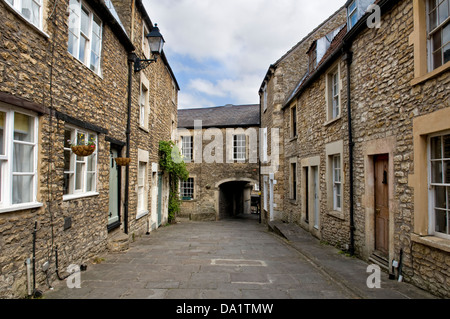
119	243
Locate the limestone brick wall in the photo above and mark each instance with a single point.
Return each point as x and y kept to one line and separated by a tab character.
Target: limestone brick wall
308	149
209	176
288	70
36	66
384	105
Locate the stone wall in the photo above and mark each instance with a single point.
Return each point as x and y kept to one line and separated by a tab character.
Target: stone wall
209	176
36	66
281	80
385	104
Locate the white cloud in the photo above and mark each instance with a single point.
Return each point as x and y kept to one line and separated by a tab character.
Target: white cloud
242	38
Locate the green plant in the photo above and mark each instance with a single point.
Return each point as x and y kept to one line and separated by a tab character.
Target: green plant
171	161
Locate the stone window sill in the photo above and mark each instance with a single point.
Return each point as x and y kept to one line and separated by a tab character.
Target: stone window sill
293	138
332	121
432	74
337	214
17	207
432	241
142	214
144	129
78	196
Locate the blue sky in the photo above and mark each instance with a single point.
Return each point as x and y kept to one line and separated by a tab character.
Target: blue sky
220	50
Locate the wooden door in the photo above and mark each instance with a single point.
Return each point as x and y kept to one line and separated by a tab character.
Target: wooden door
315	175
381	204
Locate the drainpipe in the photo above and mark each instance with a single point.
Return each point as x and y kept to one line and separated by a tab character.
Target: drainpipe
131	57
348	59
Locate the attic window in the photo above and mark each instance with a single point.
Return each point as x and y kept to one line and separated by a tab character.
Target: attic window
312	57
352	14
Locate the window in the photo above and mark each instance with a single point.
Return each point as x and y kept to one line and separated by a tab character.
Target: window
85	35
439	32
143	106
312	57
145	43
264	97
333	92
337	189
239	147
31	10
187	189
294	121
439	180
142	186
264	148
352	14
187	144
80	173
18	158
294	181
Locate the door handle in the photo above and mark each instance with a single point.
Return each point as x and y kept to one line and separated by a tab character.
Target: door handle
378	211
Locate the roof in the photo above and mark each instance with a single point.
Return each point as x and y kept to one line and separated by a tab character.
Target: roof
222	116
335	46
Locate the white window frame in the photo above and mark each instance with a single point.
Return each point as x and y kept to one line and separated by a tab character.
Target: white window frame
431	189
73	192
144	103
7	159
333	94
239	147
145	42
75	11
187	148
264	97
188	186
337	182
431	32
17	6
265	146
142	187
351	13
294	121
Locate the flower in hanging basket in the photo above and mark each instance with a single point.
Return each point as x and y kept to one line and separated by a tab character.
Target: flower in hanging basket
123	161
83	149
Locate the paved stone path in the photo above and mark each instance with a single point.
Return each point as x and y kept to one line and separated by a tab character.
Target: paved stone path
230	259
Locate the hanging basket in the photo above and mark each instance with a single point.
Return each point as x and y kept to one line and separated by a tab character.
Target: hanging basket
83	150
123	161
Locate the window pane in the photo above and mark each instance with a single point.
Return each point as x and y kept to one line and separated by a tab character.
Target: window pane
95	62
35	10
96	26
437	43
82	53
26	9
446	146
436	147
441	221
440	197
79	176
67	178
443	11
446	51
23	128
447	172
81	138
67	156
71	47
91	160
446	34
22	189
23	158
90	187
2	132
436	172
85	21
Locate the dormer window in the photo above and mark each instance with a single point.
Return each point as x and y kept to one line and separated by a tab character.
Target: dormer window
355	10
352	14
312	57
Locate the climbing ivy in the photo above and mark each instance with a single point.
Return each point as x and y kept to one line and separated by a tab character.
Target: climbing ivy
171	161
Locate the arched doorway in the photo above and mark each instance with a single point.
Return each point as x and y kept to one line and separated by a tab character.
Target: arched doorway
233	198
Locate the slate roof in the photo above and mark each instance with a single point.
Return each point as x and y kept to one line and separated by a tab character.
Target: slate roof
221	116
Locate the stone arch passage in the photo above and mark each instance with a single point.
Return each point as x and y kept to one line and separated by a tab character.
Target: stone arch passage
233	198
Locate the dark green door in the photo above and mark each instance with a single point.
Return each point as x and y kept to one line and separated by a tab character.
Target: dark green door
113	214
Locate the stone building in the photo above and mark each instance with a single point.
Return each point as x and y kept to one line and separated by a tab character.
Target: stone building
279	82
220	147
388	71
66	77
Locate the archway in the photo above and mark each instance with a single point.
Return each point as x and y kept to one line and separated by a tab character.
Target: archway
233	197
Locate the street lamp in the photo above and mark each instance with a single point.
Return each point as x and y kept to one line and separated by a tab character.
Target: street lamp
156	42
